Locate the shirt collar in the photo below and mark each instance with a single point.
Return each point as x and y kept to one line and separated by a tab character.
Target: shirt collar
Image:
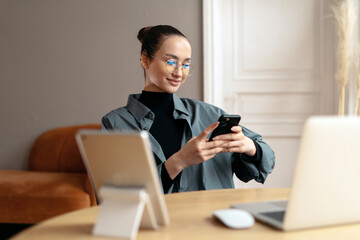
139	110
179	105
145	117
136	108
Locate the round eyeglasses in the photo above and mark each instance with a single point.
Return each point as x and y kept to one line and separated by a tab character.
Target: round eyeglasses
172	65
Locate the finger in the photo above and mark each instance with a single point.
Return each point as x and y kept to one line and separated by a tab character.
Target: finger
229	144
213	144
229	137
207	131
234	149
212	152
234	146
236	129
237	149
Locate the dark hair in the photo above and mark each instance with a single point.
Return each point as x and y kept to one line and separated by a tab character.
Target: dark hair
151	37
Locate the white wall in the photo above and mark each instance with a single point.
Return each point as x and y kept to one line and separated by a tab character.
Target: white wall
66	62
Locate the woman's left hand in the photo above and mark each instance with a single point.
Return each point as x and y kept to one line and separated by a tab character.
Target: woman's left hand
237	142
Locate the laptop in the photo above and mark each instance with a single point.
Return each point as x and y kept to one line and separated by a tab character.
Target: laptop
325	189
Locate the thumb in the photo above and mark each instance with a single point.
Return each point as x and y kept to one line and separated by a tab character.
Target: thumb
207	131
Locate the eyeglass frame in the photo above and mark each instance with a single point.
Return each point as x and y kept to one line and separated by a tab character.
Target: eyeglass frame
177	66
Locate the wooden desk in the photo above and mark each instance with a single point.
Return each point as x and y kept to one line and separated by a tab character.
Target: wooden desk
190	215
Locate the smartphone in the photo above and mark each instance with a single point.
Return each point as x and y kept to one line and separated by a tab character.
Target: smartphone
226	122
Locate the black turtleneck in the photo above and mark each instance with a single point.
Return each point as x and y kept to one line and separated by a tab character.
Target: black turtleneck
165	129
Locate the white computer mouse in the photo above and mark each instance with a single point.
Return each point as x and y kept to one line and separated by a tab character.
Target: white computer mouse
234	218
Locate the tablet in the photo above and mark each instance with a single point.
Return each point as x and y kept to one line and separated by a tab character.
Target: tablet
122	159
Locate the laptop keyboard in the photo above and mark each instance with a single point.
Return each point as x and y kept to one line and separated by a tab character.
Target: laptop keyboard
275	215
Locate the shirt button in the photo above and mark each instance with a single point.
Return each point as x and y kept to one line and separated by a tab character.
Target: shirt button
146	128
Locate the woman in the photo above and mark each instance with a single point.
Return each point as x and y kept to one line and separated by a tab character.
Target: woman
178	128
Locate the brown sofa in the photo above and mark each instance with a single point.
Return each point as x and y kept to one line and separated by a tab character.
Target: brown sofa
56	182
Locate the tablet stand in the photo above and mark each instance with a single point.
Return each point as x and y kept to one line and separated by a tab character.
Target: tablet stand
122	210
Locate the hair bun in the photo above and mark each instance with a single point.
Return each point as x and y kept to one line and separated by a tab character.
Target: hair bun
142	33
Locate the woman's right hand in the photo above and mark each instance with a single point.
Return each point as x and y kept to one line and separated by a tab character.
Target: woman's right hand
196	150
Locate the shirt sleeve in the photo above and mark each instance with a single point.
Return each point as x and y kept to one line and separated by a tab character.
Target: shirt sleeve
257	157
166	181
247	168
168	184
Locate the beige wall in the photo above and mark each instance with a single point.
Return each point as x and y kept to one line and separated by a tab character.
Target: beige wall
66	62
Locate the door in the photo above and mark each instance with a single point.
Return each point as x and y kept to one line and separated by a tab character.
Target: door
271	61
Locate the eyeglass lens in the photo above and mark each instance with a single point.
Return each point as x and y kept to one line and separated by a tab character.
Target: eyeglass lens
172	65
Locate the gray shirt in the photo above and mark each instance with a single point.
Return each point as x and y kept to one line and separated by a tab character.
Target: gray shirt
215	173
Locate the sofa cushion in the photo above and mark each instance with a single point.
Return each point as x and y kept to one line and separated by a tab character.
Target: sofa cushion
30	197
56	150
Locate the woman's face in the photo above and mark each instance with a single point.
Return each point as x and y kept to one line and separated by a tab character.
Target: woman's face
158	79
